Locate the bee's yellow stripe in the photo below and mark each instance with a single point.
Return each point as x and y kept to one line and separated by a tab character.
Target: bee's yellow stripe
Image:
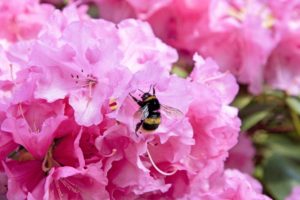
152	121
150	98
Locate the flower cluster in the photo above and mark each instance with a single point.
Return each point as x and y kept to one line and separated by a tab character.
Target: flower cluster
22	20
256	40
69	106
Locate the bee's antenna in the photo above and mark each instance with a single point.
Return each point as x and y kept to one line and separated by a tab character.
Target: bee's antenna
152	86
141	91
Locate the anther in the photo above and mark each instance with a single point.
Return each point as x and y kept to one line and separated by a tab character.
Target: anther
113	152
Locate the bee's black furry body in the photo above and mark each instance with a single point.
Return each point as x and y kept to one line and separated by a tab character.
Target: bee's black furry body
151	112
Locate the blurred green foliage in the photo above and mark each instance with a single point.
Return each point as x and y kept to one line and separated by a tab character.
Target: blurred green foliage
272	120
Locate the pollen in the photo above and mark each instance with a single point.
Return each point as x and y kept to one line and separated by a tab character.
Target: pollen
269	21
113	104
237	14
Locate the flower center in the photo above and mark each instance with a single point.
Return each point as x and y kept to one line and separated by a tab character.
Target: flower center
48	161
85	81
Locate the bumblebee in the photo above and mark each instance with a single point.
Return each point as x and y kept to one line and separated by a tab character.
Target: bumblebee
149	113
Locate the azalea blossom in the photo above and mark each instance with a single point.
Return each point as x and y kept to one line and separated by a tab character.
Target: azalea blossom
282	72
75	95
228	31
22	20
241	156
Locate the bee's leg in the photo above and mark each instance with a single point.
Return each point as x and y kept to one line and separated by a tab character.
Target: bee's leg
136	100
138	126
153	90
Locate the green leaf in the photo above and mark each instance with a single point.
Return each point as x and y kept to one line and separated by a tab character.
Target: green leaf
253	119
294	104
280	175
280	170
242	101
282	145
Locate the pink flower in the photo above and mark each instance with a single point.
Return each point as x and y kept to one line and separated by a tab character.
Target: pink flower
241	186
7	145
23	177
33	125
282	71
79	70
113	10
294	195
241	156
63	159
140	46
22	20
129	158
232	185
3	185
72	113
228	31
235	40
216	121
70	183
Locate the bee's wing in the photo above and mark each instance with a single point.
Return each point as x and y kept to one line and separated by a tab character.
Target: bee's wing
171	112
142	113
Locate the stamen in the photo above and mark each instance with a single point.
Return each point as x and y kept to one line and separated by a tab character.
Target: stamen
60	194
157	168
90	89
69	185
85	82
113	152
36	130
20	108
113	105
216	77
11	72
237	14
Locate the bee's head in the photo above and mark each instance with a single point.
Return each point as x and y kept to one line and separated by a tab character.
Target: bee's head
145	96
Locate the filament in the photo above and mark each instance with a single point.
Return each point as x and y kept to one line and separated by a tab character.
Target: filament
216	77
23	116
11	72
70	186
60	194
113	152
90	88
157	168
